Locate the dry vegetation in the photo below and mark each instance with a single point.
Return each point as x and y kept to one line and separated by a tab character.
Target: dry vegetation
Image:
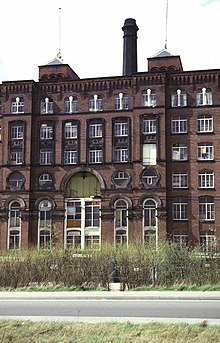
135	266
27	332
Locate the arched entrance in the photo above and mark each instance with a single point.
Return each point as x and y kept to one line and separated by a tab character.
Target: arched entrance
82	200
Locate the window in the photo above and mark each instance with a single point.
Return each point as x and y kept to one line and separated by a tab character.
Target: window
121	179
44	223
205	124
46	156
121	102
121	221
149	154
205	151
16	156
180	209
149	221
46	131
95	103
180	180
207	240
149	126
70	130
149	98
121	155
73	239
179	152
17	105
204	97
206	179
45	180
70	157
15	181
95	155
95	130
181	237
121	129
46	106
71	105
92	215
206	208
179	99
179	125
14	234
150	177
17	131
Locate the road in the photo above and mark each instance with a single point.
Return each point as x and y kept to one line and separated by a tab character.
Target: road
97	309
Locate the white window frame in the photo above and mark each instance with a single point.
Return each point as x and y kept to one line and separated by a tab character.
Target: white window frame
121	155
149	98
179	99
121	102
95	130
180	237
149	126
17	106
178	125
46	106
207	240
204	97
121	222
95	103
95	155
17	131
46	131
45	179
206	179
179	180
70	157
71	105
180	210
205	124
44	222
150	222
149	154
17	181
206	211
14	225
121	129
205	152
16	156
70	130
179	152
46	157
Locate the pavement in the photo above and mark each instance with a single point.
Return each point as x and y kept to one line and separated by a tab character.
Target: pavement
113	295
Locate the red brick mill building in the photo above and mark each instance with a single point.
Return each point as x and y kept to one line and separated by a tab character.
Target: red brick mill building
111	159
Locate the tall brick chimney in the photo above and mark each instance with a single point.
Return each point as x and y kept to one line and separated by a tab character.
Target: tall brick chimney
130	46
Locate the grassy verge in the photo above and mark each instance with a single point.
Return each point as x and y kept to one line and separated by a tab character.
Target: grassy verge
181	287
26	332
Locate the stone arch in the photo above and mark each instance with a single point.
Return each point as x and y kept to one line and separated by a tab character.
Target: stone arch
88	177
122	197
15	199
150	196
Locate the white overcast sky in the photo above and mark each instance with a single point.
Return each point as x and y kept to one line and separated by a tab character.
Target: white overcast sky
92	39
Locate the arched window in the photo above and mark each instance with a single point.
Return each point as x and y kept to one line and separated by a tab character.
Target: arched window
71	104
179	99
121	102
95	103
46	106
149	98
121	221
44	223
17	105
204	97
150	221
14	232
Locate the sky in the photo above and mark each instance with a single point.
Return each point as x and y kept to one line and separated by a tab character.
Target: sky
92	38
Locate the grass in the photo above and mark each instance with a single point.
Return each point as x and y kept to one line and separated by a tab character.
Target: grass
53	332
180	287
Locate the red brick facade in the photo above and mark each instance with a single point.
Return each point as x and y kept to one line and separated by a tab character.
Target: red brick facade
183	129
